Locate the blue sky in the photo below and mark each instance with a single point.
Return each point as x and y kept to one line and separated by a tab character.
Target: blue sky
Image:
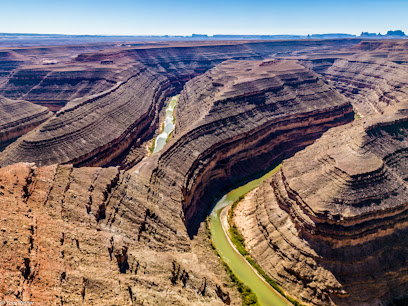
184	17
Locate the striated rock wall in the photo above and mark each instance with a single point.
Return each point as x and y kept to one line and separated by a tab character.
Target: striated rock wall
46	76
97	129
235	121
369	82
17	117
81	236
331	226
86	235
181	61
50	76
372	74
54	87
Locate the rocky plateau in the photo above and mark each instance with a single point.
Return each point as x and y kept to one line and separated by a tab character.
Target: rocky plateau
90	216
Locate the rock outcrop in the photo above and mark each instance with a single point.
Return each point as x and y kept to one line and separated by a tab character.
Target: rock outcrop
331	225
234	122
80	236
54	87
18	117
49	76
371	83
372	74
96	129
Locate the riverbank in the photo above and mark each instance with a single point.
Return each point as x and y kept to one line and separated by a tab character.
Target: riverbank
239	266
167	128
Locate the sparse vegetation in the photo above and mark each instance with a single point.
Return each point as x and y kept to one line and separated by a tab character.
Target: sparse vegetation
239	242
247	295
356	115
151	148
235	236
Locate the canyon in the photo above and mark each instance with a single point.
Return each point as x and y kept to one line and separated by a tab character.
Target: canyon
91	216
331	225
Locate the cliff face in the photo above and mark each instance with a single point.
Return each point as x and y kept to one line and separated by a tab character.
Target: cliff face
46	76
371	83
54	87
17	117
96	129
331	226
49	76
372	74
180	62
81	236
235	121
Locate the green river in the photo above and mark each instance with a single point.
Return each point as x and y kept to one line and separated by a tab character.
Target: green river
237	263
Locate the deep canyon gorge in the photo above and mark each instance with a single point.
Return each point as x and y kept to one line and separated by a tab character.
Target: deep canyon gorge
92	214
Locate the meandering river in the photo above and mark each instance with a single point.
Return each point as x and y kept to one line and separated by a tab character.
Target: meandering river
237	263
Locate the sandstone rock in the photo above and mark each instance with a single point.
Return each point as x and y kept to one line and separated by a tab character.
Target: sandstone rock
97	129
122	235
235	121
369	82
55	250
17	117
181	61
331	225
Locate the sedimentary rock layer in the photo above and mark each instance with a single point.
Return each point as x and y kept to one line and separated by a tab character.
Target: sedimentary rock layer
96	129
80	236
332	226
18	117
48	76
369	82
372	74
181	61
53	87
235	121
122	235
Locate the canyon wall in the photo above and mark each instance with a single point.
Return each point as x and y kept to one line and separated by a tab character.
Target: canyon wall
331	225
236	121
90	234
372	74
17	117
80	236
181	61
96	129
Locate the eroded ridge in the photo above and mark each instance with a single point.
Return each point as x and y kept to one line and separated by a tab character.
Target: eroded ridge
235	121
331	226
17	117
82	236
99	128
372	74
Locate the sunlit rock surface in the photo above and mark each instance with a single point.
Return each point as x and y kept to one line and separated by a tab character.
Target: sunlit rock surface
331	226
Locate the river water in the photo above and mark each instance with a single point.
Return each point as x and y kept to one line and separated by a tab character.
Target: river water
161	139
237	263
